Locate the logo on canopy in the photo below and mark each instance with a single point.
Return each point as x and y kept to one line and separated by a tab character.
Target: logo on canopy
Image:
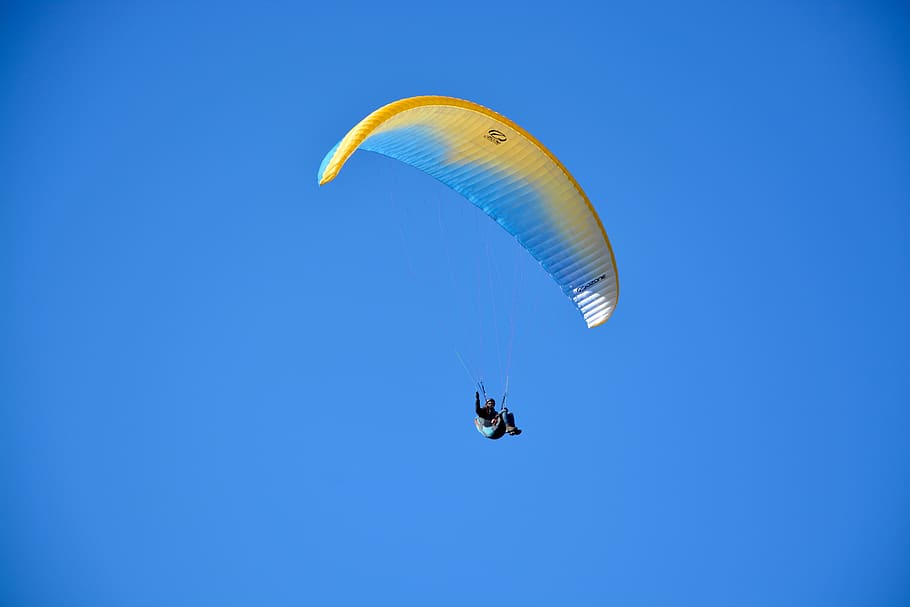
589	284
496	137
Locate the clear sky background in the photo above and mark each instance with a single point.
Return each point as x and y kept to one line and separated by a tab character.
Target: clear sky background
223	385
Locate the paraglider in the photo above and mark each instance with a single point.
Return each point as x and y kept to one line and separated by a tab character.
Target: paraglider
509	175
493	424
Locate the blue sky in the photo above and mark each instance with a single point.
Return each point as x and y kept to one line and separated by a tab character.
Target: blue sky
221	384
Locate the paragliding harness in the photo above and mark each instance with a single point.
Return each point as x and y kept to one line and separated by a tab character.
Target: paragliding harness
489	428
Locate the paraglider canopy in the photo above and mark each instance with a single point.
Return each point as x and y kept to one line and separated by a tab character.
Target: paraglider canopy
509	175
